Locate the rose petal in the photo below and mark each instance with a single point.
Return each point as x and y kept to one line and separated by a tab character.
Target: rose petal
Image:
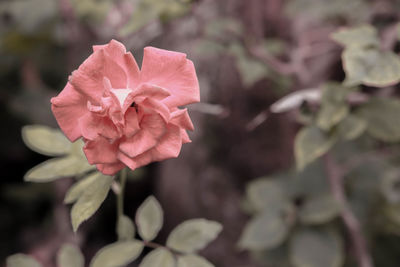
101	151
131	122
150	105
172	71
93	125
117	52
111	168
168	147
67	108
152	129
185	137
181	118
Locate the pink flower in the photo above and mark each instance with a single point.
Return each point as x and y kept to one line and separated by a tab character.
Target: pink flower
126	116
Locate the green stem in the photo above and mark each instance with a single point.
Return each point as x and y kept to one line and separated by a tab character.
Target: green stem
120	197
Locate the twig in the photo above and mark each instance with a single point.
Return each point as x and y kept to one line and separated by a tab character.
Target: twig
349	219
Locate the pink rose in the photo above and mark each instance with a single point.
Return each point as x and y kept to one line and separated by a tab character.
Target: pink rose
128	116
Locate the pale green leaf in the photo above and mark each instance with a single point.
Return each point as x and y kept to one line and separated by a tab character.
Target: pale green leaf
295	99
310	144
21	260
193	260
70	256
264	231
91	199
117	254
361	36
45	140
76	190
149	218
266	193
57	168
193	235
351	127
318	209
316	248
331	114
371	67
158	257
125	228
382	116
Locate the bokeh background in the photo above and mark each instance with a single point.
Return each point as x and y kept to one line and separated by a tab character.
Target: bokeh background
248	54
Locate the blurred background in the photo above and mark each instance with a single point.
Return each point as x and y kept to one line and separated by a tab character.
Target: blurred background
248	54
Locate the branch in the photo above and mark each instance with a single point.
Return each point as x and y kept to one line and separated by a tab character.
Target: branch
349	219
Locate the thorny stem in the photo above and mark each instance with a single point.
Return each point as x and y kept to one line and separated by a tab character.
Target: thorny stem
350	221
120	196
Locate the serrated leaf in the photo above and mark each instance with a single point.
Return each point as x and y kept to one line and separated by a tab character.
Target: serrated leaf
125	228
382	116
310	144
70	256
117	254
371	67
21	260
316	248
351	127
266	193
76	190
159	257
45	140
90	201
264	231
361	36
149	218
193	260
193	235
57	168
318	209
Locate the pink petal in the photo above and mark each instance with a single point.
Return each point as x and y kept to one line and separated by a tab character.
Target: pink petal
117	52
93	125
185	137
68	107
110	168
152	129
172	71
168	147
88	78
131	122
181	118
150	105
101	151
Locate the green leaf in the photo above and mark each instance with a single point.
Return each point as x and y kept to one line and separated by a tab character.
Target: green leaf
193	235
45	140
390	186
371	67
158	257
117	254
21	260
361	36
57	168
192	260
264	231
266	194
316	248
90	201
70	256
382	116
149	218
351	127
76	190
310	144
318	209
125	228
331	114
